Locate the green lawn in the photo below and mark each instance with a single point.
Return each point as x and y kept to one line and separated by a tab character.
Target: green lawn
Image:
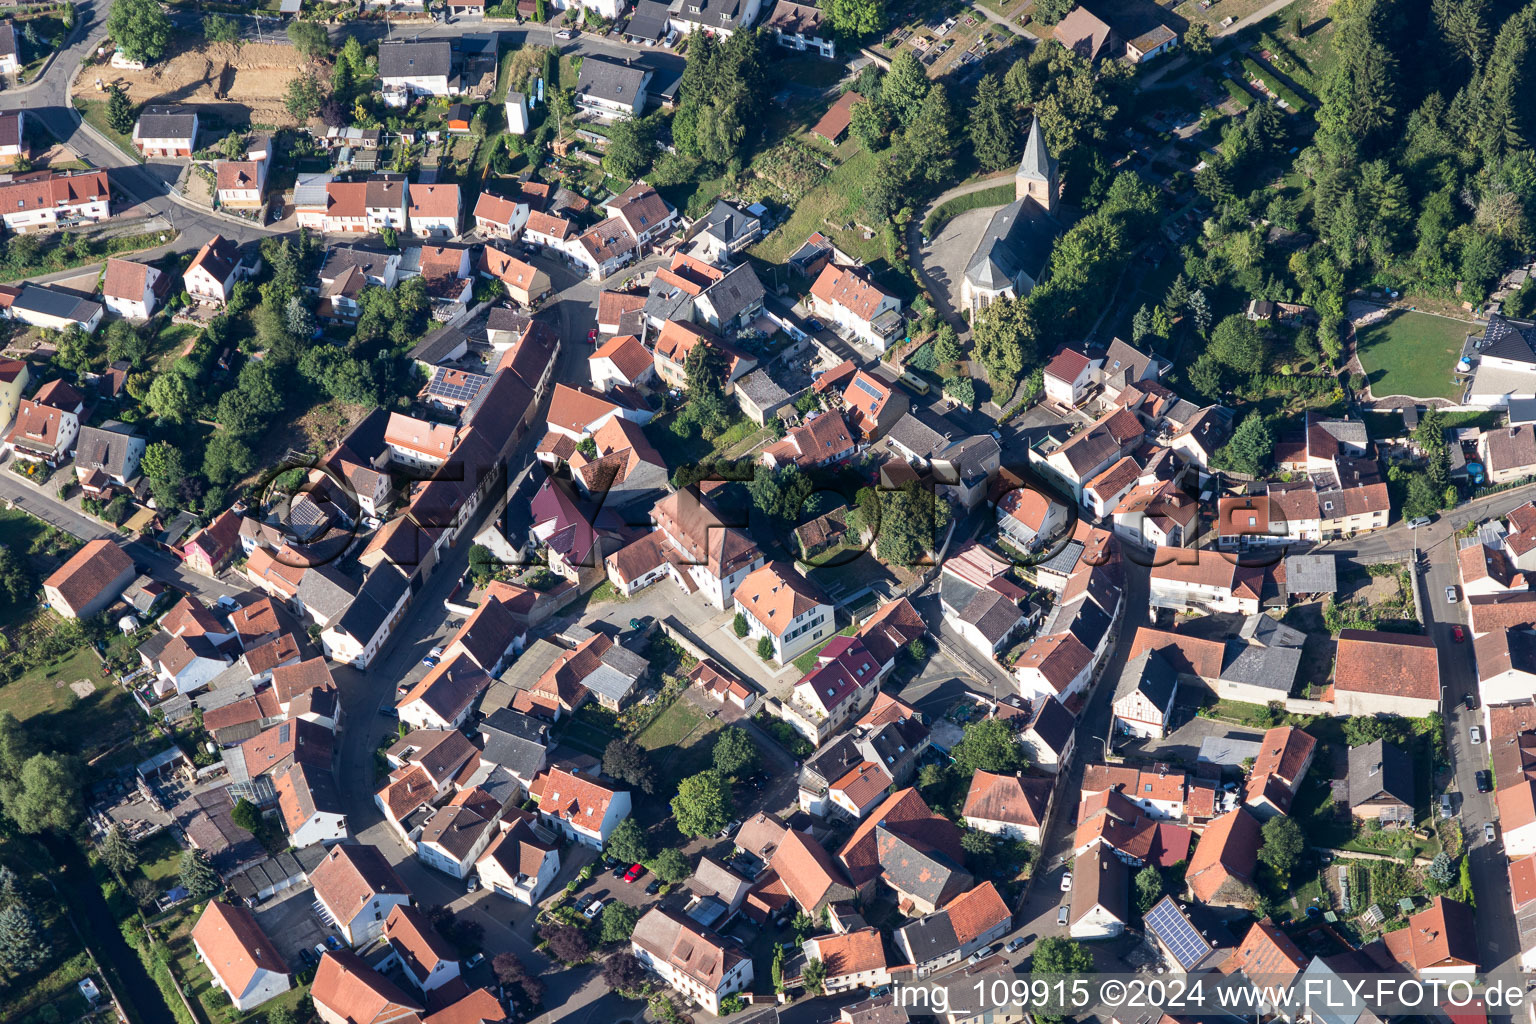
828	206
160	859
1412	354
681	742
20	531
95	112
673	725
198	983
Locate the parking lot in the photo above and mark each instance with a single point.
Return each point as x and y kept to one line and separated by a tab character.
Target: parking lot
291	923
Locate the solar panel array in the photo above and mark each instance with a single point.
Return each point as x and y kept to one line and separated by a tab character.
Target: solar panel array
1174	930
462	388
868	388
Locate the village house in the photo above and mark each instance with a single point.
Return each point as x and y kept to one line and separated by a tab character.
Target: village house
856	306
784	606
1221	871
970	921
347	991
244	962
525	283
1204	580
90	581
434	211
408	70
798	26
213	273
427	960
1100	904
107	456
1381	787
53	200
357	889
133	290
698	964
519	864
609	88
42	433
165	131
1144	696
50	308
1014	806
10	51
580	808
1068	376
240	183
852	960
1385	674
1285	754
309	803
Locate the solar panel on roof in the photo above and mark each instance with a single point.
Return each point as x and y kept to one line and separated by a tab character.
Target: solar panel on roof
1175	931
462	390
868	388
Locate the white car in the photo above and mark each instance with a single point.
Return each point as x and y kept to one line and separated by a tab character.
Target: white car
1450	595
595	909
1062	914
1476	732
1066	882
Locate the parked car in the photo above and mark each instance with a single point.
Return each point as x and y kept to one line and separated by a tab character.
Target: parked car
436	652
1066	882
815	325
1484	781
586	901
619	869
593	910
1476	733
472	883
1415	523
530	251
732	827
634	872
389	711
474	961
654	887
332	942
1016	945
1471	701
981	954
1446	810
1457	634
1450	595
564	33
1062	914
592	334
1488	832
430	660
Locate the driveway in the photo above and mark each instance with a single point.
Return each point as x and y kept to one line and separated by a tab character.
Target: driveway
291	922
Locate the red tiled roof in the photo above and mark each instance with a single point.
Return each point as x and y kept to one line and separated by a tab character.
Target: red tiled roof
1390	664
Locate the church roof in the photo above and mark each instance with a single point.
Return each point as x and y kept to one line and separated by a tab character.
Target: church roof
1018	238
1038	164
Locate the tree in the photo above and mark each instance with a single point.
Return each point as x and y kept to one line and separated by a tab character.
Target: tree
1362	729
1199	308
120	114
45	795
1442	872
246	815
765	648
1149	888
1049	12
302	99
119	851
628	762
706	406
1197	40
1058	959
1003	341
736	752
23	946
566	943
854	19
703	804
170	398
991	125
218	28
309	38
197	875
989	746
280	1015
906	86
508	969
1238	345
618	922
962	390
140	29
815	976
161	464
780	492
671	866
622	971
1250	449
628	843
870	122
739	625
777	972
1283	846
631	147
946	345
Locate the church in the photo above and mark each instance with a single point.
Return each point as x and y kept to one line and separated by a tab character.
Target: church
1016	247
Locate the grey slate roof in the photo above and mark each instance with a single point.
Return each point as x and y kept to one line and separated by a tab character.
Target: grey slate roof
1273	668
611	80
737	291
710	14
930	937
617	674
728	223
649	21
39	299
326	591
1150	673
415	60
1514	340
916	436
514	741
167	122
992	614
104	448
761	389
1311	574
1380	771
969	456
290	866
1038	164
380	592
1018	238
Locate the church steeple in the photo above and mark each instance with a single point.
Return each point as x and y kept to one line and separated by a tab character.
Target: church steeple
1036	176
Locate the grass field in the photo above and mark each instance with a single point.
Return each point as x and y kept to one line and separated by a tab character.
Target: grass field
160	859
95	113
807	661
828	207
1412	354
44	693
681	742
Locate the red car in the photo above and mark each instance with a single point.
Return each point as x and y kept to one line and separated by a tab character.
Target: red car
592	334
1457	634
635	871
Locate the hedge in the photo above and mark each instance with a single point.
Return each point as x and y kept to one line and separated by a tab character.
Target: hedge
995	196
1274	85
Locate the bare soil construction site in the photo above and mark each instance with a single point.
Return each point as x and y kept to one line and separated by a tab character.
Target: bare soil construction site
238	86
